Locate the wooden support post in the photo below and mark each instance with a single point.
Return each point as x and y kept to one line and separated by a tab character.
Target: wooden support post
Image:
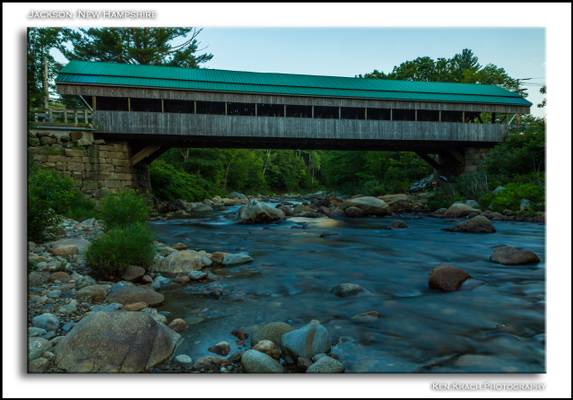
365	112
162	106
144	153
339	112
311	111
463	116
225	108
129	104
94	102
440	116
86	116
195	107
75	117
391	115
415	115
256	110
65	116
284	110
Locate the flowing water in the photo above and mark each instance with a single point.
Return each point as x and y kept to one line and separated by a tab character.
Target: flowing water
496	323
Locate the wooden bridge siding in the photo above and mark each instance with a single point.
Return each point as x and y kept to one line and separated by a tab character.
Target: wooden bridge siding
273	99
124	122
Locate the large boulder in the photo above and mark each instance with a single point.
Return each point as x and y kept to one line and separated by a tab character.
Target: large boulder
477	224
256	212
254	361
447	278
369	205
183	261
509	255
307	341
459	210
129	294
120	341
398	202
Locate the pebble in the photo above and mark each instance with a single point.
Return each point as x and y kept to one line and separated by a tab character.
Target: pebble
184	359
46	321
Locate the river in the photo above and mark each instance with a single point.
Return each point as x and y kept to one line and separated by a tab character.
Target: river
494	324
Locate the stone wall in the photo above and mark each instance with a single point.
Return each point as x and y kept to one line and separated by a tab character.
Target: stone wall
473	158
97	165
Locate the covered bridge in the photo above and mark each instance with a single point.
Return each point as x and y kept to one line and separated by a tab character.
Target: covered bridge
157	107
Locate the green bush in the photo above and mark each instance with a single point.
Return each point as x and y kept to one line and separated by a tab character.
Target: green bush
512	194
171	183
123	208
111	253
50	195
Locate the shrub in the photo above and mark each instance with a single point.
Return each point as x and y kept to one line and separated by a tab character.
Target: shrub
111	253
513	193
51	194
171	183
123	208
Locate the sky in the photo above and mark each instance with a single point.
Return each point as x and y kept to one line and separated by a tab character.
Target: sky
353	51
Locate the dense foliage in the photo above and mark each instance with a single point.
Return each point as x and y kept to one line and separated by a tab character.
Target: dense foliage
171	183
116	249
123	208
50	195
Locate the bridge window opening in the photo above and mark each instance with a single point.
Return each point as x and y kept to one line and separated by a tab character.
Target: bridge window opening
325	112
148	105
428	115
178	106
270	110
105	103
471	117
452	116
299	111
403	115
352	113
378	114
211	107
240	109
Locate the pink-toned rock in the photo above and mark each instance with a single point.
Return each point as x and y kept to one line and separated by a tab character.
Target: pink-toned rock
221	348
60	276
140	305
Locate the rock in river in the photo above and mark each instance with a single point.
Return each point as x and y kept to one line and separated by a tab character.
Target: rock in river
37	346
307	341
458	210
221	348
477	224
93	293
369	205
133	273
183	261
326	365
272	331
115	342
509	255
254	361
230	258
347	289
269	348
256	212
447	278
128	294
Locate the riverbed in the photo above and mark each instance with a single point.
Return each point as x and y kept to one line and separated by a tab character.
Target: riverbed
495	323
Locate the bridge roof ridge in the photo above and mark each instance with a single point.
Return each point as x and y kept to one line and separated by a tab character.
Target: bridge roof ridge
104	73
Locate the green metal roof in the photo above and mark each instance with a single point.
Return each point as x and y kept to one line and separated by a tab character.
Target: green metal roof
213	80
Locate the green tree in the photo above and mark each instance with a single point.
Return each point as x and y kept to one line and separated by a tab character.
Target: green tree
463	67
154	46
41	66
